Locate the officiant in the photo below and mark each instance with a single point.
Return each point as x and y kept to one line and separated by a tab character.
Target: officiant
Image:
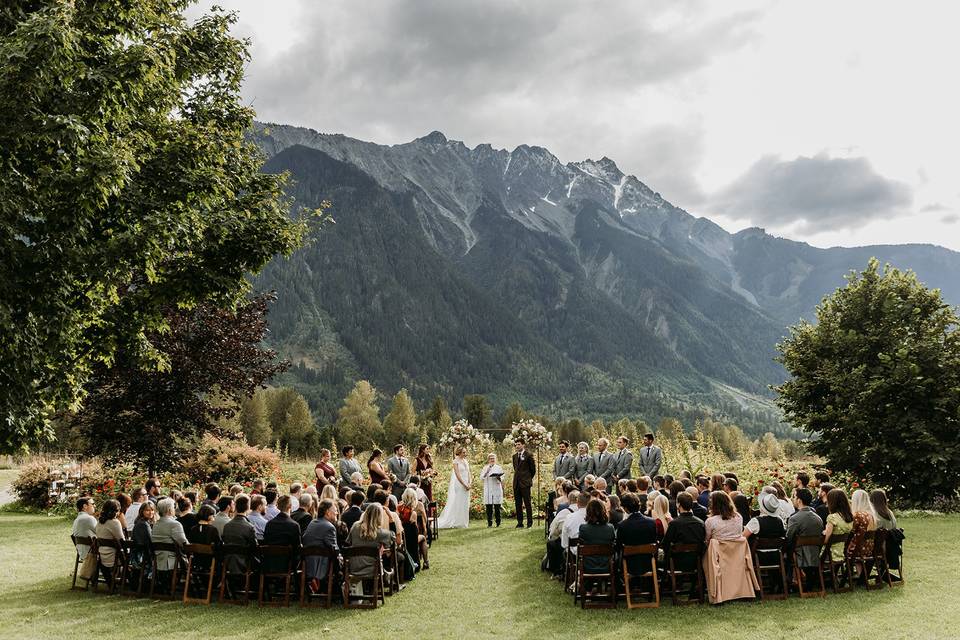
492	477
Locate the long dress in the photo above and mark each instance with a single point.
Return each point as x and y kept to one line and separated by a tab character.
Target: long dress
456	513
425	483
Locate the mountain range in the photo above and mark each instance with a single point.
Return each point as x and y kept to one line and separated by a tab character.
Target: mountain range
573	288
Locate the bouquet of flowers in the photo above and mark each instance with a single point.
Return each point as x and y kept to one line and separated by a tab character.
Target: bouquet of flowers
534	434
462	433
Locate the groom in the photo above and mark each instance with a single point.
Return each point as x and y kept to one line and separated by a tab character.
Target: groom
524	468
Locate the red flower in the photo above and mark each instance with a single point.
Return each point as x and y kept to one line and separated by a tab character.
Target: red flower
855	485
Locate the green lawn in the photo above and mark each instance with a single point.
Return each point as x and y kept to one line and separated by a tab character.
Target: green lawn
483	583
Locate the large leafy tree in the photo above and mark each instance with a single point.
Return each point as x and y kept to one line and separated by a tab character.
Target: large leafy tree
877	381
477	411
127	187
151	417
400	424
358	423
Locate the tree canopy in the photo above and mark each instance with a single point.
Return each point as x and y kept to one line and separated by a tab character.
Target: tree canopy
127	187
877	381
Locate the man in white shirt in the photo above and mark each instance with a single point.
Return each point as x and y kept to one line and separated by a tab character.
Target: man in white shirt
571	526
85	525
554	546
271	510
295	490
139	496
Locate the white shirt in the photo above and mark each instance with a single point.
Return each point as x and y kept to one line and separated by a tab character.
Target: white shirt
131	514
556	527
785	510
294	503
272	512
571	528
84	526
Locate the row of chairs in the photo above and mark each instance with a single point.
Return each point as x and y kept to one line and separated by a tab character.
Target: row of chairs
201	570
684	565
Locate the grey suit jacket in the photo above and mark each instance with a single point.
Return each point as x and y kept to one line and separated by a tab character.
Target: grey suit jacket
168	530
622	463
320	533
399	468
582	468
603	465
347	468
564	468
238	531
805	522
650	461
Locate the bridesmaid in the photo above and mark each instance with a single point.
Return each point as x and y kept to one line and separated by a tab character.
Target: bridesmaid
425	470
324	471
377	474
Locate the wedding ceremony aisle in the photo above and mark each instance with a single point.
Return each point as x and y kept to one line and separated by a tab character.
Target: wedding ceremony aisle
482	583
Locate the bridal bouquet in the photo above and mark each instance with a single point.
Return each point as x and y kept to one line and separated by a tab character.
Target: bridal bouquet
463	433
530	431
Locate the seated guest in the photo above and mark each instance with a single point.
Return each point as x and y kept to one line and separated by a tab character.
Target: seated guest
167	530
295	491
356	481
212	493
864	520
731	487
225	512
395	524
820	478
616	512
635	529
185	515
676	488
270	509
235	489
821	502
239	532
125	502
328	492
839	521
661	515
596	529
84	525
632	486
801	480
767	525
588	481
571	527
282	530
353	514
321	532
204	532
258	488
742	505
368	533
257	517
698	510
413	517
600	486
659	486
886	520
685	529
152	487
804	522
141	552
716	484
554	545
643	492
724	522
302	514
138	497
786	507
108	527
415	484
371	492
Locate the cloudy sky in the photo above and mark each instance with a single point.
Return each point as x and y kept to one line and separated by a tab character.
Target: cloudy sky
833	123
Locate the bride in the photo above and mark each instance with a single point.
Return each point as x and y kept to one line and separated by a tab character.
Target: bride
456	513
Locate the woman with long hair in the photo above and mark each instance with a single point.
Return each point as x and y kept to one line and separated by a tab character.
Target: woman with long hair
324	471
864	520
143	535
724	522
885	518
109	528
839	521
375	467
411	512
329	492
425	470
456	513
660	512
367	532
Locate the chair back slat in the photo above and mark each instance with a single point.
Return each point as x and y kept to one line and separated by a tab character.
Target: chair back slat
639	550
595	550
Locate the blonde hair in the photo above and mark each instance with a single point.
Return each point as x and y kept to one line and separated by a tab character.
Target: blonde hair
370	521
860	503
661	510
409	498
329	493
461	449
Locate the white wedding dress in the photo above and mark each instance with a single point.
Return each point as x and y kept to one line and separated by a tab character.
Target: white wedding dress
456	513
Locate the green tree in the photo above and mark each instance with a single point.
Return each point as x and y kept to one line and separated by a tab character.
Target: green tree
513	413
877	381
358	423
400	424
128	187
253	420
477	411
291	423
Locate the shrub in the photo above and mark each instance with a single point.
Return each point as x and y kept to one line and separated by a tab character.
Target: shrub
32	485
220	460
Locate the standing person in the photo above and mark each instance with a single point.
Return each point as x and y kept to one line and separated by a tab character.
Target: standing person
425	470
456	513
348	464
375	468
492	477
564	465
399	466
623	461
324	471
651	457
582	465
603	461
524	469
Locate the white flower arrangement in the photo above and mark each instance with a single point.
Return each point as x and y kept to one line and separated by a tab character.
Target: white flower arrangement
534	434
462	433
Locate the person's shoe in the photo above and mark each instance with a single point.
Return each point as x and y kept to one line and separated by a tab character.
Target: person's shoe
519	525
498	525
489	525
529	524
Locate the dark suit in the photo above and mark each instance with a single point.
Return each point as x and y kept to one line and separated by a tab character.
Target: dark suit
281	531
188	520
240	532
320	533
634	530
350	516
302	518
699	511
523	472
686	529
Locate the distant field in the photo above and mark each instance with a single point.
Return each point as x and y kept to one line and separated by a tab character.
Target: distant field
482	584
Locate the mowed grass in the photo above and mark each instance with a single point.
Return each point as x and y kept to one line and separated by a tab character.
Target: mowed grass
483	583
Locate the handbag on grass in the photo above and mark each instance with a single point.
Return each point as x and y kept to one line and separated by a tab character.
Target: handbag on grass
89	566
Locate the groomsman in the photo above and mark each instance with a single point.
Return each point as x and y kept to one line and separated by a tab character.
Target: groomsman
582	464
623	461
524	468
563	466
603	461
399	466
651	457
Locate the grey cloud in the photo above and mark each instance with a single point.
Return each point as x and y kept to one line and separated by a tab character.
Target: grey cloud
816	194
950	218
933	207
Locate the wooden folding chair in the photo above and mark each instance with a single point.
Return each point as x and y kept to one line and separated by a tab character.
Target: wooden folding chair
364	601
117	574
653	595
570	572
139	568
762	548
77	562
840	570
433	515
286	562
325	598
872	564
201	572
893	550
799	571
247	554
391	570
173	583
691	551
584	552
